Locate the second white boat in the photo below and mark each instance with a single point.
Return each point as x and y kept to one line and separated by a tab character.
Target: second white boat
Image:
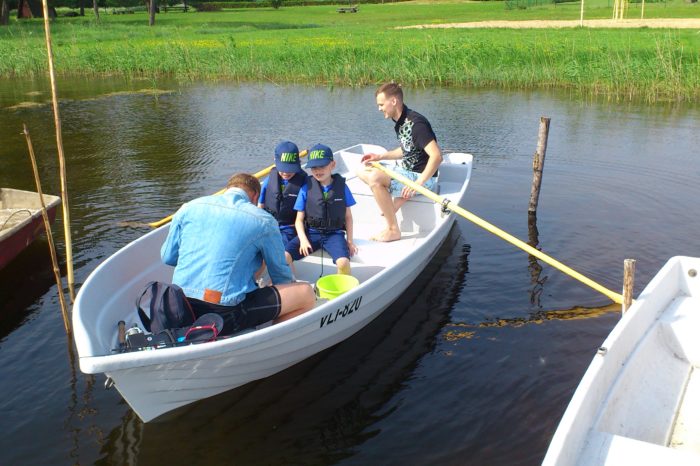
639	401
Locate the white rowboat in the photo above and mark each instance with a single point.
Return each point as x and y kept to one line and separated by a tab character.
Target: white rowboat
639	401
158	381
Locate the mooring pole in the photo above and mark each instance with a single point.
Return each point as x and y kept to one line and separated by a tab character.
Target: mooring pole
61	156
538	164
628	284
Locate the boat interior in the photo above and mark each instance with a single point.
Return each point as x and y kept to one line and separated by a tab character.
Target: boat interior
16	207
653	409
417	218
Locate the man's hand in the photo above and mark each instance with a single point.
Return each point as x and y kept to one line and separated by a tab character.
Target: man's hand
368	158
407	192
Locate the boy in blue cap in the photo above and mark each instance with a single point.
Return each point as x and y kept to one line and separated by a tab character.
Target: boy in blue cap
323	215
278	197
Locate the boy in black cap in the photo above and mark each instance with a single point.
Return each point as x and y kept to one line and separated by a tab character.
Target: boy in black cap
279	197
323	213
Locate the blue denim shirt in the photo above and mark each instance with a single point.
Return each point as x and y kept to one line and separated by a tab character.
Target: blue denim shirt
218	242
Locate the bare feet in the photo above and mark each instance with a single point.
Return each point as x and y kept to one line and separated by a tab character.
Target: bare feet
386	236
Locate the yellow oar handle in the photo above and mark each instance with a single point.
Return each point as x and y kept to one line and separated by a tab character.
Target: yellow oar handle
261	174
616	297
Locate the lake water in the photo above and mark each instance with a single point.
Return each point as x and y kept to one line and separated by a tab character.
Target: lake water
475	364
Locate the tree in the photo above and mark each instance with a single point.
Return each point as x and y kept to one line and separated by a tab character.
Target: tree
276	3
96	8
151	12
4	14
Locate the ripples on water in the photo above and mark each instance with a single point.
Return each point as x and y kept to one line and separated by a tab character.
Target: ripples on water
474	365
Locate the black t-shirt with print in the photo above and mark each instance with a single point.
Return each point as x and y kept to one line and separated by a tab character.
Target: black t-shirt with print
414	132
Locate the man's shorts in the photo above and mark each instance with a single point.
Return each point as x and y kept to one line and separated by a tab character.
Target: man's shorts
288	233
332	241
396	187
258	307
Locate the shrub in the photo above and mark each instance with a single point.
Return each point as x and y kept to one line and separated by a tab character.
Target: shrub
207	6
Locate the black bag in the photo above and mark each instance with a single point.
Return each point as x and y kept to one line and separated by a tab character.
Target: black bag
164	306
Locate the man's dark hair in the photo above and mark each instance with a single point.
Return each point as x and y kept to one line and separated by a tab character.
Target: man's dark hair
391	89
247	182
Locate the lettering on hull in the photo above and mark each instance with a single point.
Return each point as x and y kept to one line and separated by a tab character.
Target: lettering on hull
341	312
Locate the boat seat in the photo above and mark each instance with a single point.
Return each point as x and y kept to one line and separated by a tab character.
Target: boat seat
624	451
669	351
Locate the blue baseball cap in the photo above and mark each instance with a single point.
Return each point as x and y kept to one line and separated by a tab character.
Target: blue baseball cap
319	156
287	157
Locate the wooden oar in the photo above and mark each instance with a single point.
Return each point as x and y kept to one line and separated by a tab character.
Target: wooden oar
261	174
616	297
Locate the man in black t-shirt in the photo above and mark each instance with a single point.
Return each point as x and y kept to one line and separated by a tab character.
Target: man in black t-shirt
419	155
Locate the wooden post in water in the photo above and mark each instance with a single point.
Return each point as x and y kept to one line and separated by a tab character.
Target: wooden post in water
628	284
49	236
538	164
61	156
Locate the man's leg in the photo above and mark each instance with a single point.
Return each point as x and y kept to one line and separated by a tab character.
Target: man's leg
398	202
295	299
379	184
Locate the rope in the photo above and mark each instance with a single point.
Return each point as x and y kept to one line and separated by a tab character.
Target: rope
12	215
321	260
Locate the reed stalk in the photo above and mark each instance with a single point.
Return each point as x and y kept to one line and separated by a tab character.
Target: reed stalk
49	235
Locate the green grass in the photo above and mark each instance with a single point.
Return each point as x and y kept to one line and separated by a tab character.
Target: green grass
319	46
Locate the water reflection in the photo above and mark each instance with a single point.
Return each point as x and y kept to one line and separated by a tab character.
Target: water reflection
476	367
22	282
535	268
320	410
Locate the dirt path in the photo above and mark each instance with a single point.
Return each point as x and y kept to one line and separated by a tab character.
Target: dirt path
674	23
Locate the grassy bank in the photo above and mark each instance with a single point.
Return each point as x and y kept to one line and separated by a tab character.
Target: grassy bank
317	45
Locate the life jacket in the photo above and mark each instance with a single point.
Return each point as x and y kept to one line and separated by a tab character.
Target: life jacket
281	203
328	213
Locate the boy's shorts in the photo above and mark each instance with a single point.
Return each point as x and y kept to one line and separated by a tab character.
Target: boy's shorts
288	233
332	241
259	306
396	187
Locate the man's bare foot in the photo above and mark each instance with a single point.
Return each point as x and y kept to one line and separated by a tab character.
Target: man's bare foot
374	237
386	236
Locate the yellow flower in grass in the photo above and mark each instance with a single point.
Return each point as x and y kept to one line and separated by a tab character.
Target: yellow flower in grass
207	44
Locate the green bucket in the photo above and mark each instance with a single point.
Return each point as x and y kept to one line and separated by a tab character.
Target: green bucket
332	286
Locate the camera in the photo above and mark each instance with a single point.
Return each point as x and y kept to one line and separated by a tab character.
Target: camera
136	340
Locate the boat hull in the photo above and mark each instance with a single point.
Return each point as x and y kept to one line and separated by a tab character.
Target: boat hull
153	390
20	212
155	382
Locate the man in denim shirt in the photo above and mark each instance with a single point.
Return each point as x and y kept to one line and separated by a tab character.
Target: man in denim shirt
217	243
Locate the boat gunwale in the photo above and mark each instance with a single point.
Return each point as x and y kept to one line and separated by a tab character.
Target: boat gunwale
247	338
250	338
